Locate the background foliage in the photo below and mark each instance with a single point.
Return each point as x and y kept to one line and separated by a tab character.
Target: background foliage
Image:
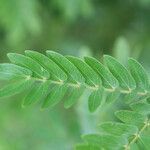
120	28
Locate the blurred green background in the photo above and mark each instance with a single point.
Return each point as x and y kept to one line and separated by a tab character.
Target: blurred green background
76	27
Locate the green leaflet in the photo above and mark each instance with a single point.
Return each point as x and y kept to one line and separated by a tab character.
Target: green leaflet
117	136
73	96
109	81
16	87
125	79
11	71
139	75
134	124
91	77
28	63
112	96
141	107
87	147
56	72
37	92
67	66
131	117
117	129
108	142
55	96
95	100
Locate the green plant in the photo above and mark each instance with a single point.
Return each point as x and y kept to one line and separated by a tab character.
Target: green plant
54	76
